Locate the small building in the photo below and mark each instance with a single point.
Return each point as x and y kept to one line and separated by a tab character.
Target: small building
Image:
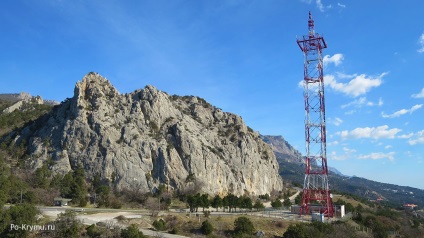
339	210
317	217
61	201
409	206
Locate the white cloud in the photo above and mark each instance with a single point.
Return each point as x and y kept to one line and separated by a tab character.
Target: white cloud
359	85
341	5
418	138
406	136
379	155
421	42
336	121
321	6
419	95
347	150
387	147
380	132
336	59
402	112
362	101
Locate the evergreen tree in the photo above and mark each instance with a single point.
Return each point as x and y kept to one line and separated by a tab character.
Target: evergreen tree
216	202
243	225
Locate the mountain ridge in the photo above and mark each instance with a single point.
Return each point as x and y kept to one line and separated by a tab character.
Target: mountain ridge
293	170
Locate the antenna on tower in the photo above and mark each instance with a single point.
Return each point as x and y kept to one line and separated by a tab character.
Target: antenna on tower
315	186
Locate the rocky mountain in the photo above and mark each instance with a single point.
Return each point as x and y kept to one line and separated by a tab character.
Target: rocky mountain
147	137
292	169
21	101
282	149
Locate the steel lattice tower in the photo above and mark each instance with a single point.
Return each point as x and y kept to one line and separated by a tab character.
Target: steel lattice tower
315	187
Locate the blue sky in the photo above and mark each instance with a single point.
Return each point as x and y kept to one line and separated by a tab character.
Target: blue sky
242	56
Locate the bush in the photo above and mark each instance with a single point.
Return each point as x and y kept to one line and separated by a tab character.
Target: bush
206	227
159	225
243	225
295	231
276	203
93	231
132	231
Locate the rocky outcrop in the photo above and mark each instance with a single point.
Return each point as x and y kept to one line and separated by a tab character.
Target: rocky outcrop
25	101
283	150
148	137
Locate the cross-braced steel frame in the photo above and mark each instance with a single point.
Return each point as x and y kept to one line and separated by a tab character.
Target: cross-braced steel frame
315	187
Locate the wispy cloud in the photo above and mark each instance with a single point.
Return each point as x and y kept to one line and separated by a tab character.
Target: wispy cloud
362	101
380	132
419	95
359	85
417	138
319	4
341	5
406	136
336	59
336	121
379	155
421	42
402	112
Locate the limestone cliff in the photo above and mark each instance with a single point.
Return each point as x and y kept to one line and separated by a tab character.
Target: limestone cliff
148	137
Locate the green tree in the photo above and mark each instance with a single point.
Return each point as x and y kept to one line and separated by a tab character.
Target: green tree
287	203
79	187
103	196
295	231
298	198
93	231
232	201
216	202
206	227
204	201
159	224
276	203
67	225
258	205
246	203
66	184
42	176
19	214
132	231
243	225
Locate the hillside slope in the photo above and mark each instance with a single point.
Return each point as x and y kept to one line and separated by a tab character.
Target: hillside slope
293	170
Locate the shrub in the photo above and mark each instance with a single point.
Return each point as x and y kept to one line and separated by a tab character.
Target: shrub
159	225
132	231
297	230
206	227
243	225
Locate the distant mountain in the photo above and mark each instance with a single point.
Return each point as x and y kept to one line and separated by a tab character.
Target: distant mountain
282	149
21	101
293	170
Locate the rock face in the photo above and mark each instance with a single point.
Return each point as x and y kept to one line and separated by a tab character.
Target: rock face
283	150
148	137
22	101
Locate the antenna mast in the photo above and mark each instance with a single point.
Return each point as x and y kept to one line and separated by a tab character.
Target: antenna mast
315	186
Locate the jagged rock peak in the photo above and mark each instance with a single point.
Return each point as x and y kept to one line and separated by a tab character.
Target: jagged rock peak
146	138
94	84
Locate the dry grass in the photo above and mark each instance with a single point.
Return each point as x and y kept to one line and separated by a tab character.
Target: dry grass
224	225
350	200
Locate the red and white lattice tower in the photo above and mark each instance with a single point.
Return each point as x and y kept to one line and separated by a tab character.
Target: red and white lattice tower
315	187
